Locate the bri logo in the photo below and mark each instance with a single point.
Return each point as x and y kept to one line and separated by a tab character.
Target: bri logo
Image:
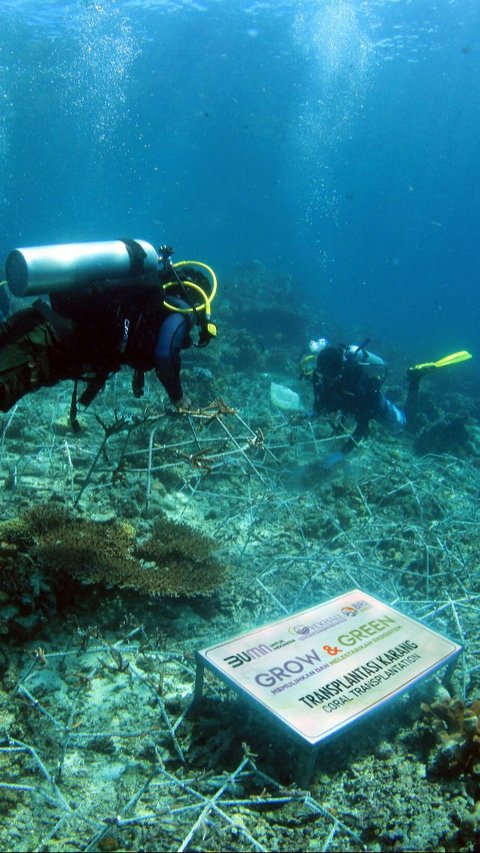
349	611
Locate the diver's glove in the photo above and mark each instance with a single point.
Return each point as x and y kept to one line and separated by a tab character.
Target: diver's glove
332	461
183	404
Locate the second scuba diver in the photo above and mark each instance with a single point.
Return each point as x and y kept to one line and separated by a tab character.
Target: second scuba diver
349	380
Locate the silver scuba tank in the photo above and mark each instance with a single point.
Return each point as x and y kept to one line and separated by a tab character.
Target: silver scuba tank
48	269
373	365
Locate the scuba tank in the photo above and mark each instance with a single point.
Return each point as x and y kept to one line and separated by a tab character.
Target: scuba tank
371	364
48	269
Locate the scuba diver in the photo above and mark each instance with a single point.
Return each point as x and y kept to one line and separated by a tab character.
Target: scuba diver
109	304
349	380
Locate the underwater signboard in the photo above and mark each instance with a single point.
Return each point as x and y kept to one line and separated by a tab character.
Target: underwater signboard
321	669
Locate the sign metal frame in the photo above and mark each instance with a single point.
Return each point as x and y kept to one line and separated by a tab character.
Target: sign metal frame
322	669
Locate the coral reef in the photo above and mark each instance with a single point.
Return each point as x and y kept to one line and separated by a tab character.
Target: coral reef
264	318
456	728
446	435
184	556
50	541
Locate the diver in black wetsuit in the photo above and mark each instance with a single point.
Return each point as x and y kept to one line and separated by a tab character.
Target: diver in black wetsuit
89	333
349	379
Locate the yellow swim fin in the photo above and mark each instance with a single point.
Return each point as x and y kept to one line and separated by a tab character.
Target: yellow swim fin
454	358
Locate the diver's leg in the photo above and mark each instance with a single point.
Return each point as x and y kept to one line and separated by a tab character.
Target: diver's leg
414	377
28	353
411	403
391	416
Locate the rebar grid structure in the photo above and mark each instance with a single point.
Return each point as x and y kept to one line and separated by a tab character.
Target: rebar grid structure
130	758
105	751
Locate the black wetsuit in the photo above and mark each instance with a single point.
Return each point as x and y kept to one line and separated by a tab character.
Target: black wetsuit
353	393
128	325
92	331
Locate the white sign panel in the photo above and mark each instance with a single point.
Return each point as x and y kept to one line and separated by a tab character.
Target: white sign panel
321	669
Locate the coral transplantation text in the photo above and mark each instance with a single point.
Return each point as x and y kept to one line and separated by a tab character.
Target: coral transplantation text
358	681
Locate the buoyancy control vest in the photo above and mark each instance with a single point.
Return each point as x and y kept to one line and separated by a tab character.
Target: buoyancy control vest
114	326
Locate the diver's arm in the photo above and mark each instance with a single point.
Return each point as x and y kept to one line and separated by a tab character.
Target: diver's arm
360	432
172	337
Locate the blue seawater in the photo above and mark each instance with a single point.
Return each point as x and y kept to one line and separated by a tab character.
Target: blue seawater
334	140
